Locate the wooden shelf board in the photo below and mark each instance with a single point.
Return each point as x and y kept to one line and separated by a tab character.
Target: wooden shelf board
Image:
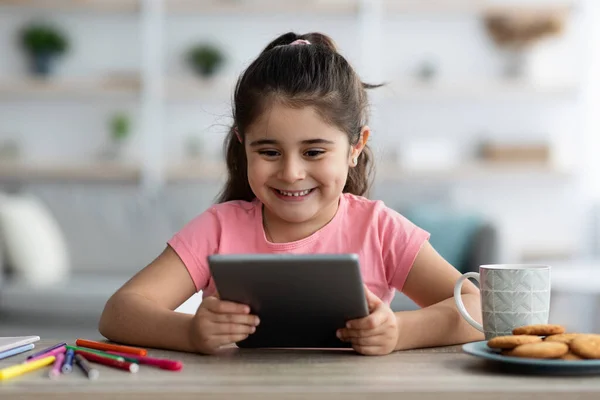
474	6
264	6
53	172
58	87
75	5
474	90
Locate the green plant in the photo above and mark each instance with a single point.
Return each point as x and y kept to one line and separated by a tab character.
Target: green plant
205	59
119	127
38	38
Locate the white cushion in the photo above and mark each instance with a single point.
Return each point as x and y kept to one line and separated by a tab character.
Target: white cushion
34	244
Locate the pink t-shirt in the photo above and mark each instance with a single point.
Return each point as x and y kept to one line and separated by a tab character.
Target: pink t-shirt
385	241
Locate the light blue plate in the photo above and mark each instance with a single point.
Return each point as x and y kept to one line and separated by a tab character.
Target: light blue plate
481	350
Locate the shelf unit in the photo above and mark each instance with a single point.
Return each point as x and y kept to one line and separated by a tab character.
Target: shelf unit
55	172
215	172
153	88
338	7
480	91
82	88
127	6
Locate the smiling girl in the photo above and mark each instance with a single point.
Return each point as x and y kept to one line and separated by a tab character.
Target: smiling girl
298	167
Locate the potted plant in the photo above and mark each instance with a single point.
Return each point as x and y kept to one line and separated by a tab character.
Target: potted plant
43	43
205	59
119	131
517	32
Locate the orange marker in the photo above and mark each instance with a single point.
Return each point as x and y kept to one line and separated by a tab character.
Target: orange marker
90	344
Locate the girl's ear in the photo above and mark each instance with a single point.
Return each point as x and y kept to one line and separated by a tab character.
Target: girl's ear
358	147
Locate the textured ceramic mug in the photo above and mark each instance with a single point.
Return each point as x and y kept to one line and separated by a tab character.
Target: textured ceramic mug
511	296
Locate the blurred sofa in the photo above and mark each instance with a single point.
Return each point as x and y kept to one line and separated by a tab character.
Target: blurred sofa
112	231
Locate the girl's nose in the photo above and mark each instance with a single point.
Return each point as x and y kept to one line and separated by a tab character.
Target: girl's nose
292	170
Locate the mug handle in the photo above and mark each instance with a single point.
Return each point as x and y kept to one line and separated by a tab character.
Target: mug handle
458	299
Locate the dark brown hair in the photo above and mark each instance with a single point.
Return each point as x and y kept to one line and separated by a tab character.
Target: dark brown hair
313	75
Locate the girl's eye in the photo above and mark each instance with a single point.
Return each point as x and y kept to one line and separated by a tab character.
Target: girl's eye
268	153
314	153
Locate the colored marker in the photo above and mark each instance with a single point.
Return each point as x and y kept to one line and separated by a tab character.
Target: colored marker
163	363
78	349
22	368
16	350
111	347
47	349
55	371
127	366
67	366
88	370
53	352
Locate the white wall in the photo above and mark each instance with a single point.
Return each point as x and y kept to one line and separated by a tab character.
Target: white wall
533	213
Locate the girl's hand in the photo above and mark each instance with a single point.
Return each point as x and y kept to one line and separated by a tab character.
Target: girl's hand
219	323
375	334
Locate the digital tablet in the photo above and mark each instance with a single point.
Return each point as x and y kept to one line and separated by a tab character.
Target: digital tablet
301	300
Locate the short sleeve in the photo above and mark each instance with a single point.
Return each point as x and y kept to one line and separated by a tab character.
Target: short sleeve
401	242
195	242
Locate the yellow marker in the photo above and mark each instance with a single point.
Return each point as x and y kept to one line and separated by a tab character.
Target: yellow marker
20	369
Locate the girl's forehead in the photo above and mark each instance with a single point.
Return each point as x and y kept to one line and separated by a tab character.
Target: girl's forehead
285	123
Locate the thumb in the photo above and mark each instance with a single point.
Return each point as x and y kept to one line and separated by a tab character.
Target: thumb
372	300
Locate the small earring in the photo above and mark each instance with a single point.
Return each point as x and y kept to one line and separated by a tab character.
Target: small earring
355	161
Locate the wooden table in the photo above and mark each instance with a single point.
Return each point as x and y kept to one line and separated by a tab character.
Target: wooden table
441	373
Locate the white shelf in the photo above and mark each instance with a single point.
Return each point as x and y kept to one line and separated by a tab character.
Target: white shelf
473	6
474	90
196	171
120	6
221	89
470	171
263	6
215	171
387	172
196	89
126	87
53	172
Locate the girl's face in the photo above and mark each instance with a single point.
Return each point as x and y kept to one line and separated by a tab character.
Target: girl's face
298	164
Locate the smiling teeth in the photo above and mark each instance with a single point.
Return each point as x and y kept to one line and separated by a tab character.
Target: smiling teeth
295	194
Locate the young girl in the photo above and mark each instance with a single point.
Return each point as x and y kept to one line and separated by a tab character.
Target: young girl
298	165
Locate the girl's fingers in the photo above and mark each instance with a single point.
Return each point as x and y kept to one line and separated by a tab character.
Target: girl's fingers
232	329
241	319
346	333
224	307
371	321
367	341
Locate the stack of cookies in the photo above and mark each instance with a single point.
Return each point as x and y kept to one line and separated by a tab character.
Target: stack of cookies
547	341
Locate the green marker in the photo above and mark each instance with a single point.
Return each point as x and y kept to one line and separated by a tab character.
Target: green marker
101	353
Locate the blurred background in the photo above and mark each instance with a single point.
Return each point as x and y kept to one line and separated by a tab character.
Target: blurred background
112	115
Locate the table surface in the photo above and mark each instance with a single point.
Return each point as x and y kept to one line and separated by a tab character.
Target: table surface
437	373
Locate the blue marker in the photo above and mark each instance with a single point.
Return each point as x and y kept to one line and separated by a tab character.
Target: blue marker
67	366
16	350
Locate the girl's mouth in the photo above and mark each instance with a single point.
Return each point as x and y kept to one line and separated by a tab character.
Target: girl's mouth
293	194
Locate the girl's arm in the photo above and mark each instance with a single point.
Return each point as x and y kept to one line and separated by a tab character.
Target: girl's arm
430	284
141	312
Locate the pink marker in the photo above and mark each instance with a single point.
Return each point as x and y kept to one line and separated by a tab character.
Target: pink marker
156	362
53	352
55	371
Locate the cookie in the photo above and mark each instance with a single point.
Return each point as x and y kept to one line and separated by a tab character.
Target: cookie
565	337
541	330
540	350
570	356
586	346
512	341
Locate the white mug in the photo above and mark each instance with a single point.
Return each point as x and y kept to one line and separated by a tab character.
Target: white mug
512	295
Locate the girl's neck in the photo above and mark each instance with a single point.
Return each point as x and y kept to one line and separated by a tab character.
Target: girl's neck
280	231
